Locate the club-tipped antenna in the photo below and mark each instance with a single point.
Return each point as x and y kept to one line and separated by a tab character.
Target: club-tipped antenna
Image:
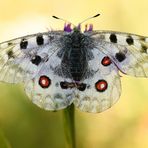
90	18
58	18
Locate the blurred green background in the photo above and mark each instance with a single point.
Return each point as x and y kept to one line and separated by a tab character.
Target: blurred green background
24	125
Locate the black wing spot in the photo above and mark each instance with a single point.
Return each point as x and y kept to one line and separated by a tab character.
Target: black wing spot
10	54
142	39
113	38
64	85
10	43
40	40
120	56
144	48
36	60
23	44
130	40
82	87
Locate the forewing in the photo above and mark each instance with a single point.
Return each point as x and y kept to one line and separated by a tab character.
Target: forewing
22	58
129	52
102	88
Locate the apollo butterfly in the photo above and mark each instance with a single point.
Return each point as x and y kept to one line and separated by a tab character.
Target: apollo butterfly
64	67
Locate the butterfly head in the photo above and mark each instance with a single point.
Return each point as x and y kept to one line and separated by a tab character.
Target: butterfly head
68	28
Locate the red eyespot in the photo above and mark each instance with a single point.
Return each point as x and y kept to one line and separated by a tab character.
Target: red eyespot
101	85
44	81
106	61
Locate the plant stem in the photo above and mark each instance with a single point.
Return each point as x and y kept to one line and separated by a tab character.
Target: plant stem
69	126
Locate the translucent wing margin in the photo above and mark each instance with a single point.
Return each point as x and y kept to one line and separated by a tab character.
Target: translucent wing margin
129	52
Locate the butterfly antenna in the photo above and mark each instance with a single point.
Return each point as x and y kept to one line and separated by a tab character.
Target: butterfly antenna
58	18
90	18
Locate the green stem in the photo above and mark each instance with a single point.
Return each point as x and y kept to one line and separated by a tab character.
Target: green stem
69	126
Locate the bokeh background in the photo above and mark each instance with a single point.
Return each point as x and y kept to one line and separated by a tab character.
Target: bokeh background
24	125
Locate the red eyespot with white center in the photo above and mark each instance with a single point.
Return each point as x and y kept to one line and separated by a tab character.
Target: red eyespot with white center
106	61
44	81
101	85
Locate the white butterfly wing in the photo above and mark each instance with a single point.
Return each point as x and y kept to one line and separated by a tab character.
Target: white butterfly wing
22	58
103	87
129	52
34	60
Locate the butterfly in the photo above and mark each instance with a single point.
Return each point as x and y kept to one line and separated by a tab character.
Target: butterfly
59	68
